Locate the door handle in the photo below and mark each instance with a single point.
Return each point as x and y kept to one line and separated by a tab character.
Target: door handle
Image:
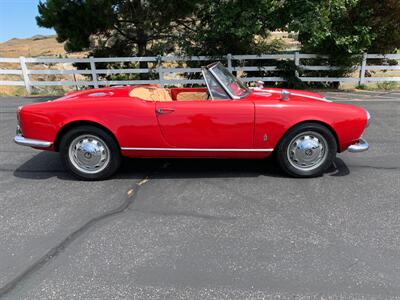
164	110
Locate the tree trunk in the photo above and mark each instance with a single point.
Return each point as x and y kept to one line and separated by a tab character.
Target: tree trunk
142	43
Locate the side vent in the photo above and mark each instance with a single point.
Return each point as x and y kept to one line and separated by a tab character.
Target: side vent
100	94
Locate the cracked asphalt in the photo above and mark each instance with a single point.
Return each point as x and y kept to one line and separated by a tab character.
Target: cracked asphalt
203	229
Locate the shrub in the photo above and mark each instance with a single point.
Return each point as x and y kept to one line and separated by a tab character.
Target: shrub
387	85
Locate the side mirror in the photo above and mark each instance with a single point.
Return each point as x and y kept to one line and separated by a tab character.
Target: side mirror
285	95
260	84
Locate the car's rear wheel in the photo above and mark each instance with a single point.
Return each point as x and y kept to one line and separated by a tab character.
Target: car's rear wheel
90	153
307	150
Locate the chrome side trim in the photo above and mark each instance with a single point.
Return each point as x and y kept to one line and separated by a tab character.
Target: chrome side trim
20	140
360	146
197	149
311	97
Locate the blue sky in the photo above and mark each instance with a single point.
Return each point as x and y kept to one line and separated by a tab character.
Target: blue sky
17	19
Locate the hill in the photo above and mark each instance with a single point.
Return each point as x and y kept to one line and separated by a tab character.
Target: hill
37	45
40	45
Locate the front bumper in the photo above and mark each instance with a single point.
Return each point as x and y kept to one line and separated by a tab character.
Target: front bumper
20	140
360	146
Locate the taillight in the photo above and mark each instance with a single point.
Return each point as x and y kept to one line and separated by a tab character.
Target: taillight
19	131
18	113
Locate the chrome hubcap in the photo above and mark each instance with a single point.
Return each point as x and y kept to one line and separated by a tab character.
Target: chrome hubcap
89	154
307	151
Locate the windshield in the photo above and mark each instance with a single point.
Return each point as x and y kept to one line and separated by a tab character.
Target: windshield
215	89
234	86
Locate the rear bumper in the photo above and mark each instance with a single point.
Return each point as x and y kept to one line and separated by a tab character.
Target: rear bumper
360	146
20	140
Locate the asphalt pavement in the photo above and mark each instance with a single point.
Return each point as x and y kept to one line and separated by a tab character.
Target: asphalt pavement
203	229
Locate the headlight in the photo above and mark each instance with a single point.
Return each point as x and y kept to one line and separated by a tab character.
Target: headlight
368	117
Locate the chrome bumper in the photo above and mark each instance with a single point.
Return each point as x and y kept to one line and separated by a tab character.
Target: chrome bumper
361	146
20	140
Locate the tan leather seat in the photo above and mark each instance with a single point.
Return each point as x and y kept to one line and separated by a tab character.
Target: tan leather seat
191	96
151	94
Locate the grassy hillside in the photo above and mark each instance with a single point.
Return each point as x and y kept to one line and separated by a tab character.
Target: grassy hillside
35	46
39	46
30	47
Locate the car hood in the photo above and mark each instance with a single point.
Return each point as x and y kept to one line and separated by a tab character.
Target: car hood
293	94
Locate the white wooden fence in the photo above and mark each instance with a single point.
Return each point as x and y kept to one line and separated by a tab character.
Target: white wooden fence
233	62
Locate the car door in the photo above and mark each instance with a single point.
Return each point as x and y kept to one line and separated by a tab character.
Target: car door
211	124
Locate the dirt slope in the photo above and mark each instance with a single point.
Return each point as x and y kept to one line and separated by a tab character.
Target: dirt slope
37	45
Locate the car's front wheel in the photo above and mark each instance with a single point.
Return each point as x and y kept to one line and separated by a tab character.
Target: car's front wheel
307	150
90	153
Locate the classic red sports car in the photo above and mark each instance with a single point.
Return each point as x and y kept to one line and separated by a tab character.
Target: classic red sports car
93	129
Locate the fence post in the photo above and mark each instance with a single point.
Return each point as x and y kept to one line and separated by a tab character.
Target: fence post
94	74
296	63
363	69
229	59
76	83
25	74
160	70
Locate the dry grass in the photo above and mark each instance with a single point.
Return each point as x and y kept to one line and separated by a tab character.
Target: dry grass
40	46
286	38
12	91
37	46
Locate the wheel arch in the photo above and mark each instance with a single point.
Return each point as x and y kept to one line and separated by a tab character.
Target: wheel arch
328	126
75	124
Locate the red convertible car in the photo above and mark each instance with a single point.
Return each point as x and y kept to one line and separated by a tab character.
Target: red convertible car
93	129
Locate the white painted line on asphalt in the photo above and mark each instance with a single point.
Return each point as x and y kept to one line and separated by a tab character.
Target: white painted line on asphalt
363	96
372	93
130	193
385	95
364	100
143	181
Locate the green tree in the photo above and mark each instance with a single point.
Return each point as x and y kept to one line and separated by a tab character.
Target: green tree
116	27
238	27
231	26
344	27
384	21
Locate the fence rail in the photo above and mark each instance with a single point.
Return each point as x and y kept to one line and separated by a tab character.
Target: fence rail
234	63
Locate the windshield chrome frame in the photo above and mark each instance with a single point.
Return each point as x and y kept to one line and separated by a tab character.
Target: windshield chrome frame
203	71
227	90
